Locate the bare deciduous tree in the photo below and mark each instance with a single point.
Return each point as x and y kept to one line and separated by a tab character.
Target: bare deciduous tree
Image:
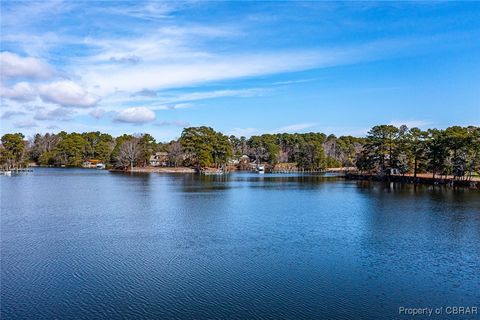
175	153
129	153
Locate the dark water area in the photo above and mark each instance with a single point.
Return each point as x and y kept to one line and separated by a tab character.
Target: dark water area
91	244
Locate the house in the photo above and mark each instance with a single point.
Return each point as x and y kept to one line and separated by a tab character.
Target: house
91	163
236	160
159	159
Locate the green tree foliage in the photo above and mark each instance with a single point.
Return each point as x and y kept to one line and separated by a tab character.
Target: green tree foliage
381	144
264	148
417	146
311	155
306	150
148	146
98	145
13	151
204	147
70	150
453	151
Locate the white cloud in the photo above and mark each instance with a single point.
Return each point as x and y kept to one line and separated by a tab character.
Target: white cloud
131	58
170	101
243	93
36	45
145	93
137	115
22	91
29	13
149	11
246	132
411	123
154	75
24	124
177	123
198	30
11	113
62	114
97	113
67	93
281	83
171	106
285	129
174	57
15	66
294	127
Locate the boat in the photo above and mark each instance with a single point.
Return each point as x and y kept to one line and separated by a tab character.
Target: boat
100	166
260	169
7	172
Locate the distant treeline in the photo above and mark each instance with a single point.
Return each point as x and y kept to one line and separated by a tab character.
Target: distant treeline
386	148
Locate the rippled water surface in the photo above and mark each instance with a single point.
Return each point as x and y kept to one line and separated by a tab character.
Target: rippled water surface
88	244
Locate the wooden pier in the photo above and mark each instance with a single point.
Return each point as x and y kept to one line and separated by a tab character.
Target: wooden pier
339	171
15	170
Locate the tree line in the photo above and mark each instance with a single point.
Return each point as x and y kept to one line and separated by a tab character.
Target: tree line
454	151
386	148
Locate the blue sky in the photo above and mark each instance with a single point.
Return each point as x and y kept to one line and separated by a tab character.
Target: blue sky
242	68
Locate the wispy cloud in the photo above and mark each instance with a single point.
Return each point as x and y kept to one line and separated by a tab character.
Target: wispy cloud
411	123
62	114
281	83
180	100
97	113
12	113
294	127
177	123
244	132
298	127
204	95
173	106
152	10
25	124
145	93
131	58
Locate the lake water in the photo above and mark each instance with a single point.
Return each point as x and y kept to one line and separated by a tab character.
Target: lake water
90	244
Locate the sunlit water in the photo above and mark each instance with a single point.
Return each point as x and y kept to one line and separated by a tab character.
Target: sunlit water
90	244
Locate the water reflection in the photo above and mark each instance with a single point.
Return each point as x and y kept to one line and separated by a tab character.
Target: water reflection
95	244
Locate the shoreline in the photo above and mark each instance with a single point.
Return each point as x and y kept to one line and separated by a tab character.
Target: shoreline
422	180
156	170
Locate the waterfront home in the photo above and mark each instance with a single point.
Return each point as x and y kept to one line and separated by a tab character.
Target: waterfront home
159	159
238	159
91	163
